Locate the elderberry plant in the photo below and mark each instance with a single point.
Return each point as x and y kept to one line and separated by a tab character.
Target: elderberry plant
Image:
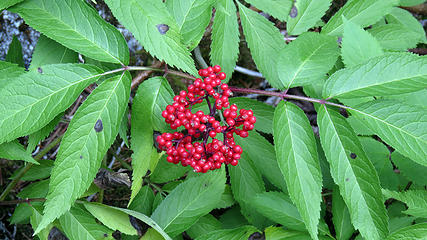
319	133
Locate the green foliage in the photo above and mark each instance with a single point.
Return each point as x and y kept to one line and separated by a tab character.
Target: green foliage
229	234
416	200
204	225
410	169
15	151
297	157
308	13
7	3
9	71
263	112
417	231
77	26
341	216
36	137
277	8
14	54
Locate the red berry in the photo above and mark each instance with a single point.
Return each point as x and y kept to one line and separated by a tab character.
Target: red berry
212	134
221	75
216	69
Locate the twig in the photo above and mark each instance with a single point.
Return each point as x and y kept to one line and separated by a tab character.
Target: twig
248	72
27	200
143	75
199	57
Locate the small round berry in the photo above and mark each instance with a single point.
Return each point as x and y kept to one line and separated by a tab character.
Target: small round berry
203	72
244	134
212	134
234	162
237	149
222	75
210	70
216	69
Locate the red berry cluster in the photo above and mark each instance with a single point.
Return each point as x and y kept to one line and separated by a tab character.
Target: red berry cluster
191	146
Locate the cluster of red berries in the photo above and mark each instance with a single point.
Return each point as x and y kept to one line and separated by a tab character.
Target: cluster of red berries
191	146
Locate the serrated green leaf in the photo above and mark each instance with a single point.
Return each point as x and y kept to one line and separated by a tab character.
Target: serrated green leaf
156	30
151	234
308	14
91	132
410	169
354	174
264	113
152	97
397	223
307	59
77	26
246	181
37	171
241	233
7	3
23	101
225	37
166	171
14	53
36	137
192	18
388	34
401	16
227	199
158	198
277	8
9	72
204	225
278	233
124	128
414	232
135	214
341	216
13	150
143	201
78	224
48	51
404	127
409	3
263	156
112	218
35	220
360	12
264	53
416	200
358	46
233	218
189	201
296	151
380	76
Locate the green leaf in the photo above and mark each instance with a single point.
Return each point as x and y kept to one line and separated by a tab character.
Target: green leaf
91	132
227	199
410	169
15	151
401	16
137	215
143	201
397	223
77	26
241	233
354	174
35	220
414	232
166	171
341	216
416	200
204	225
263	157
156	30
278	233
36	137
124	128
277	8
307	59
308	14
48	51
151	234
404	127
9	72
225	37
79	224
264	113
152	97
358	46
112	218
233	218
409	3
189	201
296	151
387	36
360	12
7	3
36	172
14	54
192	18
158	198
264	53
23	101
380	76
246	181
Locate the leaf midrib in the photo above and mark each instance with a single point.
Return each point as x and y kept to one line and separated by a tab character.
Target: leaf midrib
87	231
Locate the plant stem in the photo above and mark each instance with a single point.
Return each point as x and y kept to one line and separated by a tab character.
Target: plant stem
287	96
199	57
138	68
27	167
27	200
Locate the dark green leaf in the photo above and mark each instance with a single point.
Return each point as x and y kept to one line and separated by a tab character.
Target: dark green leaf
264	113
9	72
414	232
143	201
341	216
36	137
204	225
410	169
14	54
416	200
7	3
241	233
166	171
36	172
13	150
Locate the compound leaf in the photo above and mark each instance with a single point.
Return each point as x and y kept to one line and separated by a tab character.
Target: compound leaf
156	30
257	29
307	59
360	12
190	200
77	26
402	126
55	87
308	14
225	37
354	174
91	132
381	76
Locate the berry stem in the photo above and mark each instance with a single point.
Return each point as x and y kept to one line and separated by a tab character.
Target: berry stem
287	96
